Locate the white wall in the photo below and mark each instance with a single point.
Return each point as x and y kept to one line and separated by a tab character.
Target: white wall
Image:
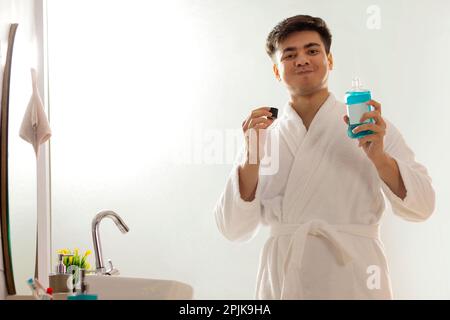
131	81
27	52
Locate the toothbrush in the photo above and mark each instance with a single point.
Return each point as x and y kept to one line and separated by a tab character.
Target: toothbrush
38	284
33	288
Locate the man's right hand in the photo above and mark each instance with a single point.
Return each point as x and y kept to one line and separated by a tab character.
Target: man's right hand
249	170
254	138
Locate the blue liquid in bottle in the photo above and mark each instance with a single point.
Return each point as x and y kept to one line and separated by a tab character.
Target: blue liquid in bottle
356	99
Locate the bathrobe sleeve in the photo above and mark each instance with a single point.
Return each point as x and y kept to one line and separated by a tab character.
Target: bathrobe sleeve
238	220
419	202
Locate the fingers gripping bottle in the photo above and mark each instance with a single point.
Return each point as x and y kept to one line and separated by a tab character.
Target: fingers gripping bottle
356	99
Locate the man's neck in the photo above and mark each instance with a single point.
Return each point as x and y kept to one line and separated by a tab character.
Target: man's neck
307	106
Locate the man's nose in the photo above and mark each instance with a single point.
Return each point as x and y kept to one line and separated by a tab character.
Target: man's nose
301	60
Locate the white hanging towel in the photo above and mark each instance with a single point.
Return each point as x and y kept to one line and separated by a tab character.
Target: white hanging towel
35	128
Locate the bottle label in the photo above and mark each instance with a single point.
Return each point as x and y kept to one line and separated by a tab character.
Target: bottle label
356	111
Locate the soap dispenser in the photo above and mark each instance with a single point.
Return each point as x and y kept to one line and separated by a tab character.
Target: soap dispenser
61	267
58	280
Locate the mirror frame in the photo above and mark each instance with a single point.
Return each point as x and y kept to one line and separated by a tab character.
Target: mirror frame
4	192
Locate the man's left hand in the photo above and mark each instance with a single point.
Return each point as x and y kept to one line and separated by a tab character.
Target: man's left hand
372	144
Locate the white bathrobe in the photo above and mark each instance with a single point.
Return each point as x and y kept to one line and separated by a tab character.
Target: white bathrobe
323	207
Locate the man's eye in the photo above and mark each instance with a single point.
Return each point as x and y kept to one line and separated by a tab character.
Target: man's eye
289	56
313	51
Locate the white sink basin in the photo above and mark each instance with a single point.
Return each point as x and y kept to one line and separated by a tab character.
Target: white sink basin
127	288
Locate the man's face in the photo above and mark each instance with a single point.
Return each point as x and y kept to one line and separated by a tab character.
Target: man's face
302	63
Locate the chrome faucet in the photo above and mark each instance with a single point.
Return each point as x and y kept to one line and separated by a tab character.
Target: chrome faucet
100	268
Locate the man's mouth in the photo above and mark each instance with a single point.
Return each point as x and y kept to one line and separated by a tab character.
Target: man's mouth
302	72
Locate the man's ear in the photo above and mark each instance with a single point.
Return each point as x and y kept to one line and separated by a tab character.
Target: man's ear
276	72
330	61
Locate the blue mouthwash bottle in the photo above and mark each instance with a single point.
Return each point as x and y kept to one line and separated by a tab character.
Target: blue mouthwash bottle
355	100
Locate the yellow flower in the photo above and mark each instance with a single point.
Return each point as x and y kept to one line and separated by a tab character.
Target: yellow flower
87	266
76	259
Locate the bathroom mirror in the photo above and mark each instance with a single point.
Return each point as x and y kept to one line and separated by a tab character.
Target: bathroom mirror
4	187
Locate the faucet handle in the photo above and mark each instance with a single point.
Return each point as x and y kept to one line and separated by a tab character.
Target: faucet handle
111	271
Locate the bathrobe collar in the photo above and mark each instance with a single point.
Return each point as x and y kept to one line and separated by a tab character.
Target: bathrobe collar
294	131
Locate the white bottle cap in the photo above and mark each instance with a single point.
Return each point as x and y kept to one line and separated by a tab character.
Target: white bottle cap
356	83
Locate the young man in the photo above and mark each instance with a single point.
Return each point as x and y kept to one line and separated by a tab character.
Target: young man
324	203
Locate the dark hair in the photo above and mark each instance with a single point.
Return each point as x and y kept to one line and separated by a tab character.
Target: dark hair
294	24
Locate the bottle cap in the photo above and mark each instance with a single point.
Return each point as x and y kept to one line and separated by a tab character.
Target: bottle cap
274	112
356	83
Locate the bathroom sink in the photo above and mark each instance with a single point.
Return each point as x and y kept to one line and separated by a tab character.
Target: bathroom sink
127	288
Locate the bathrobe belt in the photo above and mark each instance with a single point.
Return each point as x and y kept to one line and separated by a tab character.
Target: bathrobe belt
320	228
